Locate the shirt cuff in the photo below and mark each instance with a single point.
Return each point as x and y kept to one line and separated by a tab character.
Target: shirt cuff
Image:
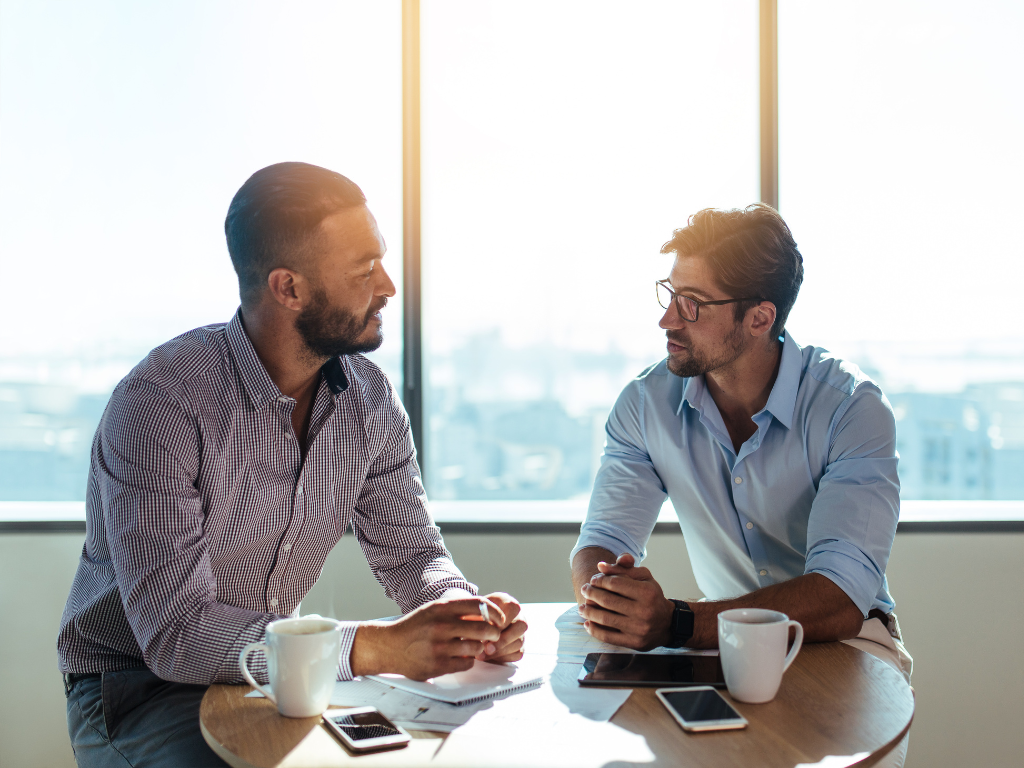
849	569
458	593
605	536
348	639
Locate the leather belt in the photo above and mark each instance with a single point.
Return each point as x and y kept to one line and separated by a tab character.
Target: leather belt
70	678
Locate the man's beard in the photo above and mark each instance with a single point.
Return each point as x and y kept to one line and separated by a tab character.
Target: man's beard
331	332
700	362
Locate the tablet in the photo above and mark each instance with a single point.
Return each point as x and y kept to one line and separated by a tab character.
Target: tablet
650	669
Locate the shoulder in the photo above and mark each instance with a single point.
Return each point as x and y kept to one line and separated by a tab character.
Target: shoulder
369	380
175	368
844	385
654	386
828	370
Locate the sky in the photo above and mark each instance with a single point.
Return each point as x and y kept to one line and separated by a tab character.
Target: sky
562	144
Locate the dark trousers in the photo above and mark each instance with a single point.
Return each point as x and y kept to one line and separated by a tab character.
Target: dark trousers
134	718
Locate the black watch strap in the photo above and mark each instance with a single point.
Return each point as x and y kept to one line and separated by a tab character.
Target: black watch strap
681	628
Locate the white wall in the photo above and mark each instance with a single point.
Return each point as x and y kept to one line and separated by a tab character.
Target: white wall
959	598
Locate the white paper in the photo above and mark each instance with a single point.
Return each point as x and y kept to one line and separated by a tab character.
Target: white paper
574	642
482	680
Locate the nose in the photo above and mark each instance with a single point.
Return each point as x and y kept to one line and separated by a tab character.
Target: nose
387	286
671	319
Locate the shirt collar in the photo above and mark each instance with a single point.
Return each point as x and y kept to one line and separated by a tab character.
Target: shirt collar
782	400
257	382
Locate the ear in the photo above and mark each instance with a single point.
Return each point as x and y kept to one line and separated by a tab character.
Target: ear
288	288
761	318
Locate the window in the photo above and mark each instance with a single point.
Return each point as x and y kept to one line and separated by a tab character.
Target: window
899	167
561	144
555	165
127	128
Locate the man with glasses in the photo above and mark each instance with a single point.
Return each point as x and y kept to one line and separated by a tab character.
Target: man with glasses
780	461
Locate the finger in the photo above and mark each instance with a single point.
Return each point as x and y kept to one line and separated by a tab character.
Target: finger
608	619
509	605
506	659
623	585
637	573
469	630
614	637
468	608
626	560
492	612
611	601
514	630
459	648
500	649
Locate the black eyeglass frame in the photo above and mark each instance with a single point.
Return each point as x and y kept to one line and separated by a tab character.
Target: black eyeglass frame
696	312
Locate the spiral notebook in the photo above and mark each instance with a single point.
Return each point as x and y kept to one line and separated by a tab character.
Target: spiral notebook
480	682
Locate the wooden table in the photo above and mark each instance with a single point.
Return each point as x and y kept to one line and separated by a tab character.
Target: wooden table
834	701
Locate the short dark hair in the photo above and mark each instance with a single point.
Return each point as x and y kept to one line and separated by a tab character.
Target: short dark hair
750	251
274	219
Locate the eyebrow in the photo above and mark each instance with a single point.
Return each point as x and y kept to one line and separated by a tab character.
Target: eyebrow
696	293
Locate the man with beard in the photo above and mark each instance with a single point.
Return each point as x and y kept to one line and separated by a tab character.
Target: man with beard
226	467
780	461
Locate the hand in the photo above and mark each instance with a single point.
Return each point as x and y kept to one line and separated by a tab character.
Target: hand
626	606
435	639
509	646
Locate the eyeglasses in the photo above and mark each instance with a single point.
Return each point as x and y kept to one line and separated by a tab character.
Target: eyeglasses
687	307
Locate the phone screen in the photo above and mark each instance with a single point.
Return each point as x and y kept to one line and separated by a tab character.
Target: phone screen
365	725
700	706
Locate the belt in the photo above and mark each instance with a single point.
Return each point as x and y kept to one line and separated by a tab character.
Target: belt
889	621
70	678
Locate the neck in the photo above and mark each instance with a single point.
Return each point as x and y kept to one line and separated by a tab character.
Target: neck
281	350
742	388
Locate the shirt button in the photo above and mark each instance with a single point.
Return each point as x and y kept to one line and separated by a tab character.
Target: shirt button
764	572
299	490
287	435
282	399
273	602
749	526
739	480
286	547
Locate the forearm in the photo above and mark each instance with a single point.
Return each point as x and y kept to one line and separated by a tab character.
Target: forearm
584	565
825	611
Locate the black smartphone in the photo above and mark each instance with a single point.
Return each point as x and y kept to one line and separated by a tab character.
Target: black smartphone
365	729
651	669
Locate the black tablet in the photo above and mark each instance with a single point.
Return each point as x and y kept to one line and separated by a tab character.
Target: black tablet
650	669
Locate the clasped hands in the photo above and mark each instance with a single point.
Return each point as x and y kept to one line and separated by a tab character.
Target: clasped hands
441	637
624	605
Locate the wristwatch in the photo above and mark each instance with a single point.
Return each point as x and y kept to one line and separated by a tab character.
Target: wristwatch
681	627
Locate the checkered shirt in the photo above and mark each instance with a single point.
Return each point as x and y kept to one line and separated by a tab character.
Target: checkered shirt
204	523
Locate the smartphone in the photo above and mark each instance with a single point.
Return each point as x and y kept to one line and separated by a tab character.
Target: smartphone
364	729
700	709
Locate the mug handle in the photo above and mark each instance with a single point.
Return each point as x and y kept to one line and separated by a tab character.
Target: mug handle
798	641
265	690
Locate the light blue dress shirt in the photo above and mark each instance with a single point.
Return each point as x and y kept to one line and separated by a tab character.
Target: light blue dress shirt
814	490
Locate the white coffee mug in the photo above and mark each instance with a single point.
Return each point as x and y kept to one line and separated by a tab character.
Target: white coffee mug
302	664
752	642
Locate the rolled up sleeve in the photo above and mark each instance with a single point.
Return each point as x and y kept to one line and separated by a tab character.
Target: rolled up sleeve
628	493
853	518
